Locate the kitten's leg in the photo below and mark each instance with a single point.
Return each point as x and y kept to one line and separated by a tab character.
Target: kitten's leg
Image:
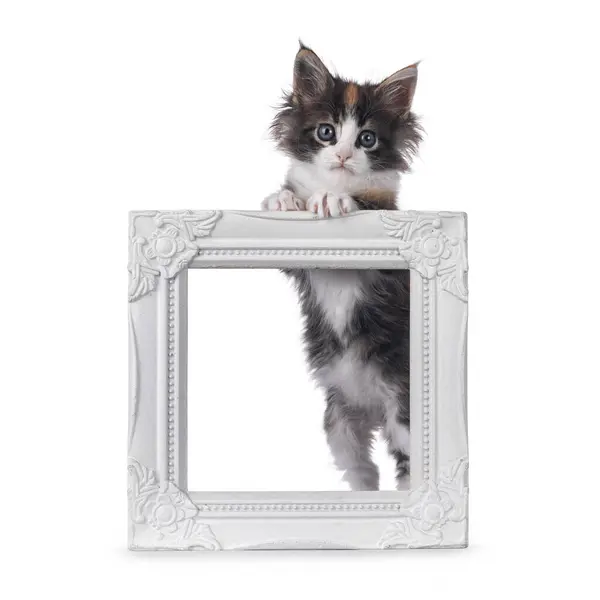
397	433
284	200
328	204
350	438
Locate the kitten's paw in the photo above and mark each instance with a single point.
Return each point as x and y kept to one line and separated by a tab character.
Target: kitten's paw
283	200
328	204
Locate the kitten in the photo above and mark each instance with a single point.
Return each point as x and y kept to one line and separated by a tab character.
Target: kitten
348	143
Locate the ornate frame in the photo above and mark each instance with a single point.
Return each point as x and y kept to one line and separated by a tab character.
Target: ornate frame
163	514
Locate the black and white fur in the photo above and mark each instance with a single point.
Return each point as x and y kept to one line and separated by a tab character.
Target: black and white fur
356	322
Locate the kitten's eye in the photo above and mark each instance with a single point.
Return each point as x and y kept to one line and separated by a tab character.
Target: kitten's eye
367	138
325	132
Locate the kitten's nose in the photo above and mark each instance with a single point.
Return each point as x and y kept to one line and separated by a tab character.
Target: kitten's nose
344	154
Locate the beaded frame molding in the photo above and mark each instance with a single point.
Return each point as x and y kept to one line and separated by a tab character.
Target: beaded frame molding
163	513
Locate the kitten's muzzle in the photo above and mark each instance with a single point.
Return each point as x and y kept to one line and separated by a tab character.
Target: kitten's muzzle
341	166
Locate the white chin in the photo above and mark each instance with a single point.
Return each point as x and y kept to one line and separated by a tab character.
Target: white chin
342	172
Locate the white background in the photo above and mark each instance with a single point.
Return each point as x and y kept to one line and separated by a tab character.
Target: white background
117	105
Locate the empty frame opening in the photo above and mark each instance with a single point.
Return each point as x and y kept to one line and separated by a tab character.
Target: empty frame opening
272	410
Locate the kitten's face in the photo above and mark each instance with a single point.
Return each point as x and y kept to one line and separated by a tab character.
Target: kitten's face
346	130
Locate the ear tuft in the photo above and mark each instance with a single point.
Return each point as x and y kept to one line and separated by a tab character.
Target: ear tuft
311	77
398	89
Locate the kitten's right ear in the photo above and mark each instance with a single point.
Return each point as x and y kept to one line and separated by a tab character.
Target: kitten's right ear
311	77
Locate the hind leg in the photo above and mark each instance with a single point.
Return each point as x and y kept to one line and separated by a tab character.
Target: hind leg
397	433
350	438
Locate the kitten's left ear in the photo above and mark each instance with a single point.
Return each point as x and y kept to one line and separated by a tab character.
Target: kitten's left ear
398	89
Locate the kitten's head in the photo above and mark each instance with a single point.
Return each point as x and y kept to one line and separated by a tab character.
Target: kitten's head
343	127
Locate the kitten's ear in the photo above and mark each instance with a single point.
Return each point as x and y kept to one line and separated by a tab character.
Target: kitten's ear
311	77
398	89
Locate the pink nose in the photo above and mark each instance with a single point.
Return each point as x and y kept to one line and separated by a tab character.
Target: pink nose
343	154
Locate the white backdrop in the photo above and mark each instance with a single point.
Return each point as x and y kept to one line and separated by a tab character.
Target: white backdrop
107	106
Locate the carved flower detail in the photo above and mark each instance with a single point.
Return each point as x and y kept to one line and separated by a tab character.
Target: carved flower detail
428	250
164	244
433	510
433	245
167	510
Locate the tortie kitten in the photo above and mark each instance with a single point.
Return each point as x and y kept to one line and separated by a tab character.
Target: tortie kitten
348	144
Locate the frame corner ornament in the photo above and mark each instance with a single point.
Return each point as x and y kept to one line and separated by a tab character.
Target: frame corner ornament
167	249
432	510
166	511
429	250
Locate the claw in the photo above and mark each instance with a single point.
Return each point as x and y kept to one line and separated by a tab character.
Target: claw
328	204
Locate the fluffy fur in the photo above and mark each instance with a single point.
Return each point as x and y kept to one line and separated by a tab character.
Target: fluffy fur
348	144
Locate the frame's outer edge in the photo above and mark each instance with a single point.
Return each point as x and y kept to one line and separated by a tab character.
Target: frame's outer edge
143	343
163	515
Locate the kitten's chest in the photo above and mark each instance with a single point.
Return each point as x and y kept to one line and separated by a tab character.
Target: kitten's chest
337	293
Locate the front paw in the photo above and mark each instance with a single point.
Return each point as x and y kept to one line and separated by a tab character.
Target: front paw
328	204
283	200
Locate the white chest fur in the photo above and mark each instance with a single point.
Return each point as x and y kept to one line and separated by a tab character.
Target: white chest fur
361	382
336	292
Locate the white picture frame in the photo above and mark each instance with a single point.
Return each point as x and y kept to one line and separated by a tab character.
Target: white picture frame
163	513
